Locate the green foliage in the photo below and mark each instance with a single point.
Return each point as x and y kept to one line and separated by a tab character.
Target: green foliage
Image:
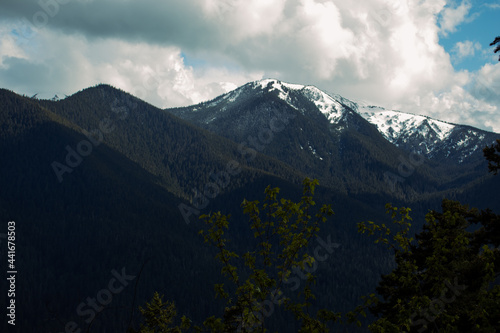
159	317
445	278
283	233
400	240
283	230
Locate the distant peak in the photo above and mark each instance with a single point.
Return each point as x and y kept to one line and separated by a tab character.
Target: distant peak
276	84
330	105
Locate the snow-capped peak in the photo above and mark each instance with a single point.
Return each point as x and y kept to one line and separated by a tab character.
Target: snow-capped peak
282	88
43	96
411	132
426	135
429	136
394	124
326	104
276	84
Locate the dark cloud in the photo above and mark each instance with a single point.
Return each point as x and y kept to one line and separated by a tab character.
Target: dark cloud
22	73
159	22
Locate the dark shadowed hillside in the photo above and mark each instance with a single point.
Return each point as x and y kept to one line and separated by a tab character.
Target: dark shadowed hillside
94	183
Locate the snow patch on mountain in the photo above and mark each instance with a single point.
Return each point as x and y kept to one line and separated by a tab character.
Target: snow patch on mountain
394	124
54	98
282	88
425	135
409	131
325	103
278	85
233	95
465	142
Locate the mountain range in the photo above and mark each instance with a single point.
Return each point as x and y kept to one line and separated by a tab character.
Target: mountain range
432	138
329	133
102	180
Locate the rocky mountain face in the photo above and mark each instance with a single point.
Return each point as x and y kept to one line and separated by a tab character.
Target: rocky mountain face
432	138
435	139
341	142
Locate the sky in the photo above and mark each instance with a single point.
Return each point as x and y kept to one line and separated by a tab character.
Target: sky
428	57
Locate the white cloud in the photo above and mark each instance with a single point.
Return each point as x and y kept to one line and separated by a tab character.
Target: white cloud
492	5
487	83
320	33
466	49
457	105
451	17
474	99
68	63
385	52
8	45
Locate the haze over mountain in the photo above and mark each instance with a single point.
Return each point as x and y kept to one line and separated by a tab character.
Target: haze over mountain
95	182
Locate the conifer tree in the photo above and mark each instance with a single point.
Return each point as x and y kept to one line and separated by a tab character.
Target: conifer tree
283	230
496	41
445	278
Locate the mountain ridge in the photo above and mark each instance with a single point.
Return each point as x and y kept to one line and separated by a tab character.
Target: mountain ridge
398	127
415	133
119	206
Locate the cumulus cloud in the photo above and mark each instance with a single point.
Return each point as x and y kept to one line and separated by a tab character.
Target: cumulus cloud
64	64
385	52
487	84
8	46
451	17
466	49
